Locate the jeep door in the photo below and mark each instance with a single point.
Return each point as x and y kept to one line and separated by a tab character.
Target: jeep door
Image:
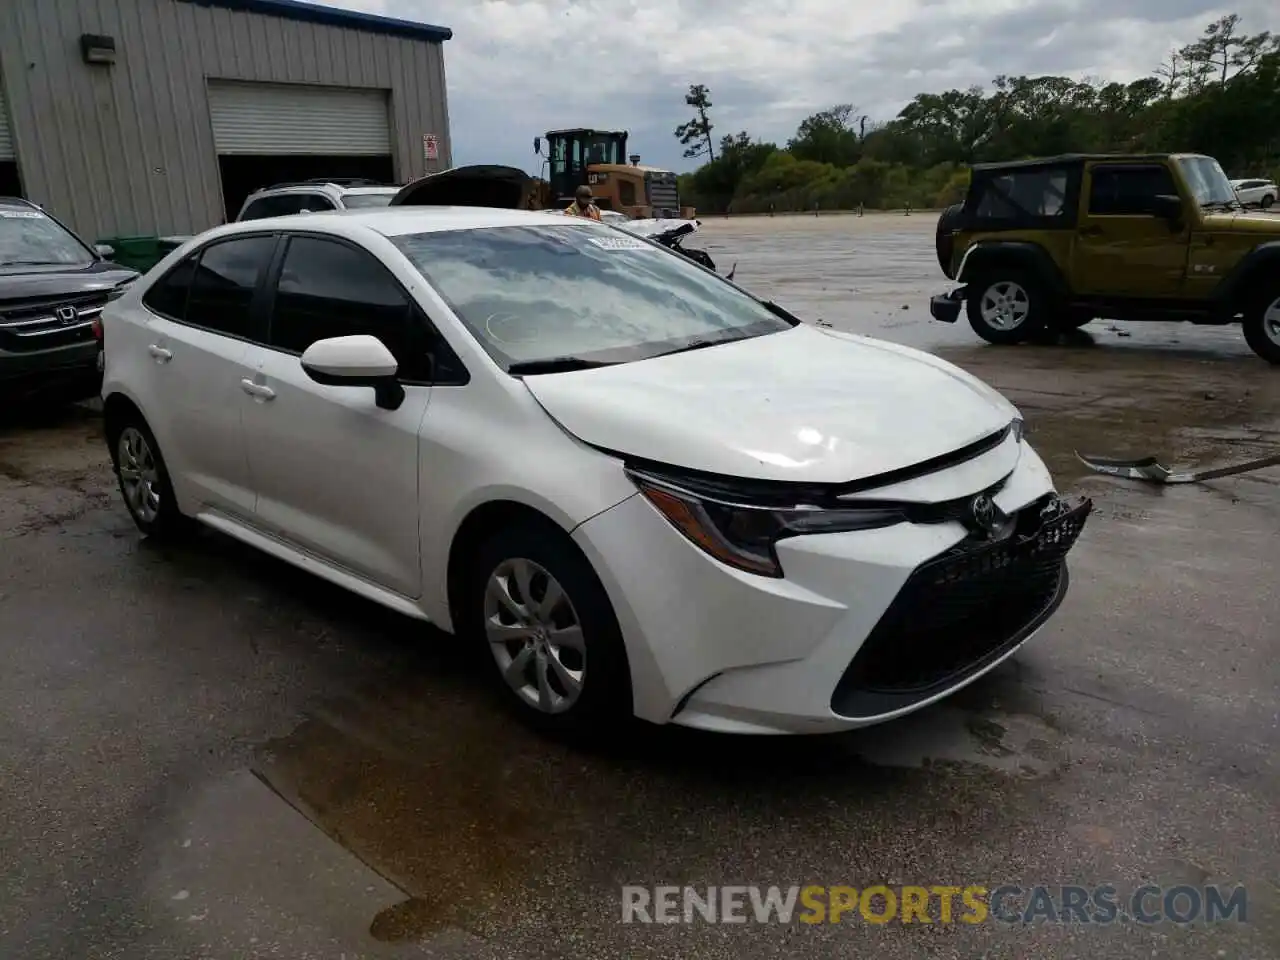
1124	249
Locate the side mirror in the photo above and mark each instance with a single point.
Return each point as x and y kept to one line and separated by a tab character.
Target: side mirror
356	361
105	250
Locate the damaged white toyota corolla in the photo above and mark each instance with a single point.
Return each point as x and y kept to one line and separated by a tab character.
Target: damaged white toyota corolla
641	488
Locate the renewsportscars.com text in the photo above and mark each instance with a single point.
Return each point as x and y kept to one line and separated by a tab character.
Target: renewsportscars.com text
938	904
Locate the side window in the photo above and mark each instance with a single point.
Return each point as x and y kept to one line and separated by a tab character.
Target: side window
626	193
168	295
276	206
224	284
328	289
313	203
1036	193
1128	190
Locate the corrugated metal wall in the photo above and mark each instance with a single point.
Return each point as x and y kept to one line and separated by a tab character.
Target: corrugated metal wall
128	148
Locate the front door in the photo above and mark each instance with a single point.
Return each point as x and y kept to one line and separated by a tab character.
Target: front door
1122	250
336	475
197	349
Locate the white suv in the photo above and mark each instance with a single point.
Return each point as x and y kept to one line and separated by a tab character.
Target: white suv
315	196
1261	192
643	489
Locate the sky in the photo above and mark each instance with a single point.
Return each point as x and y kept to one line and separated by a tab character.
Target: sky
517	68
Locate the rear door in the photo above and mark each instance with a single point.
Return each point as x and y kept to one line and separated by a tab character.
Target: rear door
1122	249
201	328
335	474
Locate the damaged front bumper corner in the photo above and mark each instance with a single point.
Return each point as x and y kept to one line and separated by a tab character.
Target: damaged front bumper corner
946	306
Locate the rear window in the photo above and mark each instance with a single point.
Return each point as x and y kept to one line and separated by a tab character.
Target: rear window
359	201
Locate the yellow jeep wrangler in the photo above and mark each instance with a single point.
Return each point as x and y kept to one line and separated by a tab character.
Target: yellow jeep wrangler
1045	245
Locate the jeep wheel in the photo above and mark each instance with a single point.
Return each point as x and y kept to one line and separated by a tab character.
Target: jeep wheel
1007	306
1262	325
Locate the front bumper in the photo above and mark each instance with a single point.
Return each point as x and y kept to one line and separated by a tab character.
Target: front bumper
865	626
51	367
946	306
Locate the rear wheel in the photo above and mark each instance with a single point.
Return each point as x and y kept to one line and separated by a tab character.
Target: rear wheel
1267	201
1262	325
144	481
1007	306
557	650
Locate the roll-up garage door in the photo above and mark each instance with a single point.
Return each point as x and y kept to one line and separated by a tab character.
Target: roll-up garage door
6	136
271	118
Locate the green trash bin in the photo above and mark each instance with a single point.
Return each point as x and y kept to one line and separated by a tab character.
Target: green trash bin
137	253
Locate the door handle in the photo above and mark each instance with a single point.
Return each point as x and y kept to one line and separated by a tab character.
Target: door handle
259	391
160	353
1090	231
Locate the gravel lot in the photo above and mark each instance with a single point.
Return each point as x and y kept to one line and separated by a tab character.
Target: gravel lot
208	755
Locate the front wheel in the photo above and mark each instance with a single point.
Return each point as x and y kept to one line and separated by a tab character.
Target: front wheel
556	646
1262	325
1007	307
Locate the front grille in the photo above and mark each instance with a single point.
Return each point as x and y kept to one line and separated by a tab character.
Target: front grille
961	611
35	323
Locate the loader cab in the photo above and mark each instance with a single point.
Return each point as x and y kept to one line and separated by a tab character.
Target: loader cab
571	152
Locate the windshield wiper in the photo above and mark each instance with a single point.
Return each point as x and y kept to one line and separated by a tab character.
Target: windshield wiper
556	365
29	263
1224	204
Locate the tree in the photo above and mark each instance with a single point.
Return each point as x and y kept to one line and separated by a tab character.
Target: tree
828	137
695	134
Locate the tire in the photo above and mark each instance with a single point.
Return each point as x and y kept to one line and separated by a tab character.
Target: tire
1029	305
1268	201
144	480
1262	324
943	241
522	643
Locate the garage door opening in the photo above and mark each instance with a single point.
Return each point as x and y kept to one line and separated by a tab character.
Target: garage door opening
243	175
10	182
268	133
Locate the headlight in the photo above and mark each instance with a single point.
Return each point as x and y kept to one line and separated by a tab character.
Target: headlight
743	535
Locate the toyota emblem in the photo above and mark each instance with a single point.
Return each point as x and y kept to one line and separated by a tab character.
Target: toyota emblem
984	512
67	315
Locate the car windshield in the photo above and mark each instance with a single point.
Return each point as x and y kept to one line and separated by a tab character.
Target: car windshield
29	237
582	292
356	201
1209	184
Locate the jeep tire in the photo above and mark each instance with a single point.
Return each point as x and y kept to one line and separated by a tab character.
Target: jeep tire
1262	323
1007	305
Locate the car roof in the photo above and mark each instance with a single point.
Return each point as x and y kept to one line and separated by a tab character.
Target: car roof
1065	159
399	221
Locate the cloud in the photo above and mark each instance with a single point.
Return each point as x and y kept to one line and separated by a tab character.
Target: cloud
517	68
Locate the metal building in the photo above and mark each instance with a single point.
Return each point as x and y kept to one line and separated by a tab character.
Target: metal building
157	117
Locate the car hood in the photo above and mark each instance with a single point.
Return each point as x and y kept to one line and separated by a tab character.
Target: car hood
478	185
807	404
26	282
1263	224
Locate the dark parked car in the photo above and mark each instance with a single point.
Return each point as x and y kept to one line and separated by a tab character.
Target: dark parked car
53	286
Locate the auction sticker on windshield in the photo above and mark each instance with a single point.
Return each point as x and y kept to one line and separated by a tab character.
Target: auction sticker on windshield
619	243
21	215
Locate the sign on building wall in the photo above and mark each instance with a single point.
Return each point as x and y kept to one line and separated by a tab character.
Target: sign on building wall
430	146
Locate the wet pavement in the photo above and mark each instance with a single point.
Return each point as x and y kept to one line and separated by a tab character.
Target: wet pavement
208	754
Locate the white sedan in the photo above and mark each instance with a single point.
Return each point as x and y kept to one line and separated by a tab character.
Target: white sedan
1260	192
645	490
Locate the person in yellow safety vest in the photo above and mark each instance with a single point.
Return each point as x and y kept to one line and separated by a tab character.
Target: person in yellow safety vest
582	205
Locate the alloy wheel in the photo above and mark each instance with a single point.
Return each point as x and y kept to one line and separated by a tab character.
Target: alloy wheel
535	635
1271	321
1005	305
139	474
